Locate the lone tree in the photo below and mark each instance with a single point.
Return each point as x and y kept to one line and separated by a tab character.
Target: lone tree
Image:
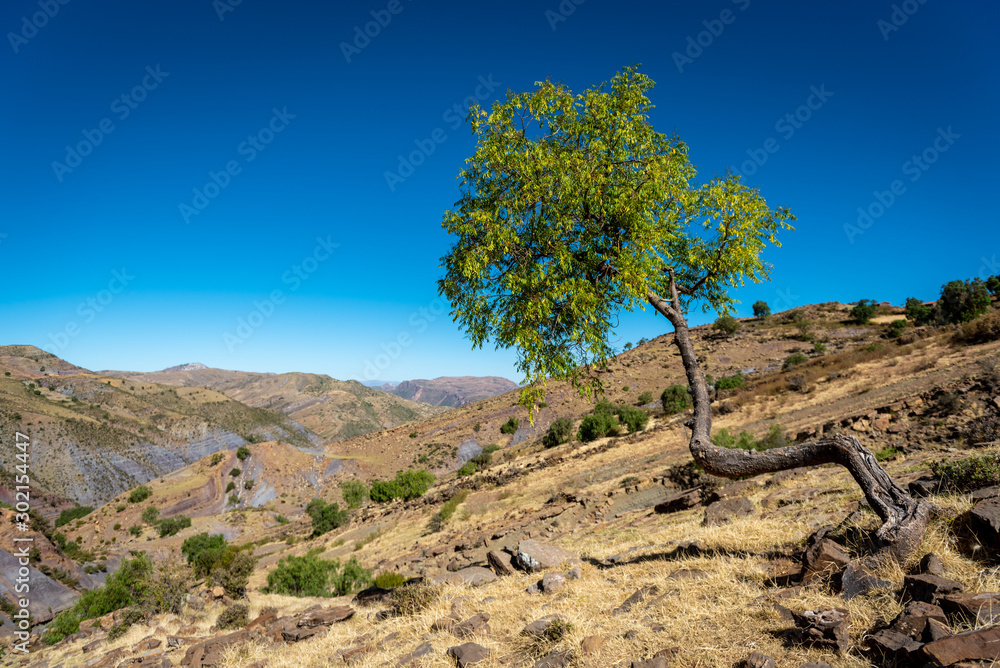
573	208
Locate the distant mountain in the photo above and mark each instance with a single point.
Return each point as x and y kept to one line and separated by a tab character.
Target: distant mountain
379	384
452	391
190	366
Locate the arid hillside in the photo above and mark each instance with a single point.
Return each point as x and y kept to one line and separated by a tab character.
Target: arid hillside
450	390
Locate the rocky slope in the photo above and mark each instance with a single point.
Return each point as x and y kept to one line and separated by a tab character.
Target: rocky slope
451	391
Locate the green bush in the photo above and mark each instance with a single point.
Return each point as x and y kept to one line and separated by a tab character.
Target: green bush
150	514
248	484
993	285
242	452
355	493
216	458
726	324
466	469
864	311
560	431
675	399
635	418
510	426
232	571
135	530
172	525
230	487
596	425
389	580
326	516
203	551
733	382
971	473
644	398
963	301
918	313
449	507
383	491
794	360
407	485
312	576
70	514
235	472
235	616
774	438
819	347
895	328
981	330
140	494
120	508
761	309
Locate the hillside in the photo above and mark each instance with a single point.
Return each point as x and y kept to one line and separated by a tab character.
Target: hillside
333	409
656	560
451	391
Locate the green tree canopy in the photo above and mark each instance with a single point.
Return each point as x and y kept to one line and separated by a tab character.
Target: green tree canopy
573	208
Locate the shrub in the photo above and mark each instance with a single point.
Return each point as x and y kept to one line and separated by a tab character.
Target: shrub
466	469
354	492
230	487
895	328
971	473
235	616
172	525
794	360
733	382
135	530
645	398
726	324
993	285
981	330
413	434
761	309
744	441
248	484
983	430
596	425
216	458
819	347
70	514
449	507
383	490
150	514
962	301
233	570
635	418
242	452
675	399
412	599
203	551
120	508
326	516
560	431
118	526
864	311
389	580
140	494
235	472
311	576
918	313
510	426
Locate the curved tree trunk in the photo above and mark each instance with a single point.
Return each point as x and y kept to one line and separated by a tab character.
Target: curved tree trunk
905	519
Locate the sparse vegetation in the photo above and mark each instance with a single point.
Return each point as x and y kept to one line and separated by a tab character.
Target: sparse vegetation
675	399
971	473
150	514
559	432
172	525
235	616
727	325
510	426
326	516
407	485
235	472
895	328
734	382
761	309
644	398
311	576
242	453
354	492
389	580
140	494
794	360
67	516
864	311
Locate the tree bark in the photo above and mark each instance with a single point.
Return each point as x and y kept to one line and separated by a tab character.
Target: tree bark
904	519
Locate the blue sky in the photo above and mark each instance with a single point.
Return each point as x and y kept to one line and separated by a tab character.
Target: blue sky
207	181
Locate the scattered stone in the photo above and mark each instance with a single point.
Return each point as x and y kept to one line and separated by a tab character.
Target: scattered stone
534	557
822	558
325	616
631	634
218	592
472	576
637	597
539	627
412	658
931	564
726	510
982	645
985	493
209	652
856	581
924	487
357	653
684	500
929	588
371	596
554	660
469	653
500	562
976	609
552	582
592	644
983	525
443	624
825	628
893	647
758	660
574	573
912	621
936	631
473	626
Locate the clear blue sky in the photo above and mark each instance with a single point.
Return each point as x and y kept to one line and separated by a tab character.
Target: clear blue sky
160	95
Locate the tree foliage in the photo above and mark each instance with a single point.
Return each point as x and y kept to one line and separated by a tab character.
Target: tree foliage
573	207
962	301
761	309
864	311
326	516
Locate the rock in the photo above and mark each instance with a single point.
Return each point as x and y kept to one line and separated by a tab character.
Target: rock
473	576
469	653
936	631
823	559
353	654
552	582
574	573
371	596
218	592
758	660
146	645
985	493
982	525
592	644
325	616
893	647
975	609
856	581
689	498
727	510
539	627
500	562
931	564
554	660
637	597
816	664
982	645
209	652
443	624
412	658
473	626
929	588
533	556
912	621
924	487
825	628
